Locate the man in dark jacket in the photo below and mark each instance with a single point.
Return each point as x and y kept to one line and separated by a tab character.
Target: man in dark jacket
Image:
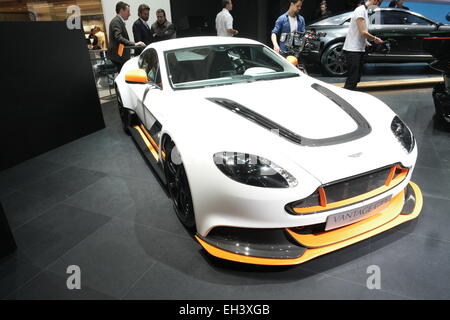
118	35
141	30
162	28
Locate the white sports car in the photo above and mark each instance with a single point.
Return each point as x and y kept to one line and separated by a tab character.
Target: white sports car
267	164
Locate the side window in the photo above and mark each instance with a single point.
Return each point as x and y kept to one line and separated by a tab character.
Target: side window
412	19
148	61
402	18
375	18
393	17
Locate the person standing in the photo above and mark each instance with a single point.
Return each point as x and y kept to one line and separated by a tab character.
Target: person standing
289	22
323	11
162	28
400	5
356	41
118	35
141	30
101	37
93	41
224	20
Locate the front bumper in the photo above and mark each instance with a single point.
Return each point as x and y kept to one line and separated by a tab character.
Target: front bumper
289	246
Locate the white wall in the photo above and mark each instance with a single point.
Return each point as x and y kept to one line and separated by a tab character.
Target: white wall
109	12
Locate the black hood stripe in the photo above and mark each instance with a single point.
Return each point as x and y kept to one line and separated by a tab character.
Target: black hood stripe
362	130
257	118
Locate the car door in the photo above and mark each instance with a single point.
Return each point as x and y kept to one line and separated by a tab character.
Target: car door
149	107
405	31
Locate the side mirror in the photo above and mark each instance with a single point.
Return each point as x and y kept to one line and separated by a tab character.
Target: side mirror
136	76
292	60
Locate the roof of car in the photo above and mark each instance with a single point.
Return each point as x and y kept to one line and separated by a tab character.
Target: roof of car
198	42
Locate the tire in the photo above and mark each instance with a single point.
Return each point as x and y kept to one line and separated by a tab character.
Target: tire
178	184
123	113
333	60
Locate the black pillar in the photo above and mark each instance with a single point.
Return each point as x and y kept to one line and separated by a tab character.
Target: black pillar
7	243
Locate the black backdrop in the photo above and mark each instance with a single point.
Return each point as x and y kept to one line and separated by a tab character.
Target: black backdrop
48	94
7	243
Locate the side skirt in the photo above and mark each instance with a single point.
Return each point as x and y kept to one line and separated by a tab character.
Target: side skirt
149	151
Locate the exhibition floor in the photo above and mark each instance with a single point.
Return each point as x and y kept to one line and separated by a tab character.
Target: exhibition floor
96	204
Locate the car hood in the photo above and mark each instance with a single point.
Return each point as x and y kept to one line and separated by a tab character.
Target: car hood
295	105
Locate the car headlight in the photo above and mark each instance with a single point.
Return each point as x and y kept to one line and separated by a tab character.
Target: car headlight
253	170
403	134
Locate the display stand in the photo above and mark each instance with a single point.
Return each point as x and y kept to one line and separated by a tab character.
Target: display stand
7	243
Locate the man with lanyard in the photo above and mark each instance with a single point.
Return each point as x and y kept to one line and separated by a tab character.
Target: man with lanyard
356	42
289	22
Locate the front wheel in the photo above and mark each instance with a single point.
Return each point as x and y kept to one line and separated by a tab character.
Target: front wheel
333	60
178	184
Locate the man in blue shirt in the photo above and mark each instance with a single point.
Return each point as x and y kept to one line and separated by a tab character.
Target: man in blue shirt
289	22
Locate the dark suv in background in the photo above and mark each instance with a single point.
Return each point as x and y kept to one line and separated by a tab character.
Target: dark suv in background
404	31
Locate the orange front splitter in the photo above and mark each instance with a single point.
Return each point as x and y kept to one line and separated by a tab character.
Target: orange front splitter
376	226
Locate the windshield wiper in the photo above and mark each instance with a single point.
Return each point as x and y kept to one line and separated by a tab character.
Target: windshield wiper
278	76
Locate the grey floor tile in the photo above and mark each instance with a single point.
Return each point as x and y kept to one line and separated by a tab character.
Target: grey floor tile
442	146
53	233
20	207
83	148
139	201
26	173
433	222
414	266
164	282
112	259
433	182
4	191
428	157
111	113
349	263
152	207
122	159
14	274
109	196
49	286
63	184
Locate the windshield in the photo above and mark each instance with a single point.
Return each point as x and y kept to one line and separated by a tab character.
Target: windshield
225	64
334	21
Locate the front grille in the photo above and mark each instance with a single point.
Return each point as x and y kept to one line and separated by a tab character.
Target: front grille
355	186
345	189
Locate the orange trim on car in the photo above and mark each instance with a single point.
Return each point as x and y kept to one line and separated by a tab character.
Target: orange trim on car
390	176
322	197
153	142
395	181
388	211
310	254
147	142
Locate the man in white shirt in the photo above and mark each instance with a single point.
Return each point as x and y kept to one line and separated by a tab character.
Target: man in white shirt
356	41
224	20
